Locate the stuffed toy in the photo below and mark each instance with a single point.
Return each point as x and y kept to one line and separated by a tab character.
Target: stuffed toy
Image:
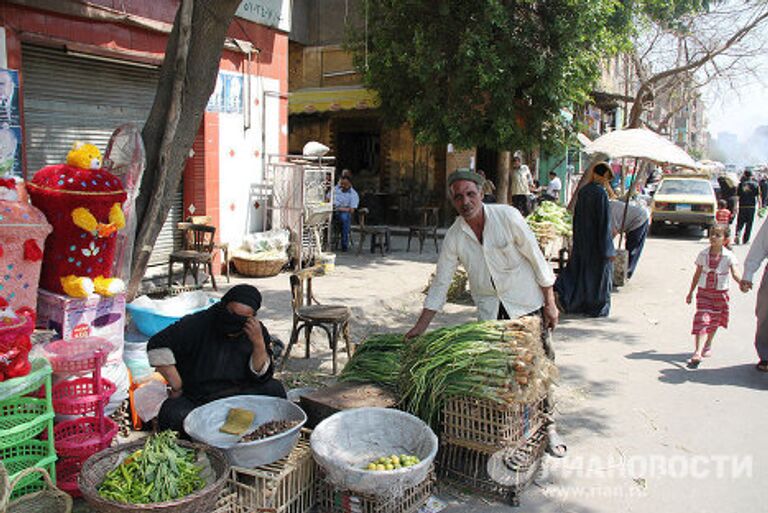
83	202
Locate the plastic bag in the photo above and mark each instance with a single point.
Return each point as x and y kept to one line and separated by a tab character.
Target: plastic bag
272	240
148	398
177	306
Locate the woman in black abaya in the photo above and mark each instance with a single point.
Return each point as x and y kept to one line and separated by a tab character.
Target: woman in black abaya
219	352
584	286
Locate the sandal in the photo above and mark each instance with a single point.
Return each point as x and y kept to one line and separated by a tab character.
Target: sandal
762	366
694	363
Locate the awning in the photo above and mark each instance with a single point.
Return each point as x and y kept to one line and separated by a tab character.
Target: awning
333	99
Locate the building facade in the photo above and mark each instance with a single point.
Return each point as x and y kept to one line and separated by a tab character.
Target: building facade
85	68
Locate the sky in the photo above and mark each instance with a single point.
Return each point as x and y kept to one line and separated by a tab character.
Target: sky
739	112
742	109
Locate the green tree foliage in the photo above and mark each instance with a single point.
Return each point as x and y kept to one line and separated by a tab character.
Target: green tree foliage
494	73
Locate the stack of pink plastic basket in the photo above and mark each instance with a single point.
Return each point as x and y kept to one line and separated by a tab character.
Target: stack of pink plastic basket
86	396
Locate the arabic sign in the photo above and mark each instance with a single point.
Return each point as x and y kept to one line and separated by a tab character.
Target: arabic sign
273	13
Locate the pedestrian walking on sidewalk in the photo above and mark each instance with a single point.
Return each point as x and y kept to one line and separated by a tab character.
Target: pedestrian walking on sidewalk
749	196
757	253
713	266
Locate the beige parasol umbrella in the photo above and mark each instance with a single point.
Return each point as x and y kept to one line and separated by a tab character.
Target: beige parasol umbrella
640	143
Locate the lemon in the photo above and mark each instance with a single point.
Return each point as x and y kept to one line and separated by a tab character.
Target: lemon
389	466
394	459
380	467
371	466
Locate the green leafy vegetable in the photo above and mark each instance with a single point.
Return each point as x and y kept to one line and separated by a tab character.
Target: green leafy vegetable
162	471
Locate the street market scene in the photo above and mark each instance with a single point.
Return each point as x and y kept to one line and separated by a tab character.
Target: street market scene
354	256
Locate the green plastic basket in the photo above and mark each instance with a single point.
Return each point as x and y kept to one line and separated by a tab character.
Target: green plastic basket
32	453
24	385
22	418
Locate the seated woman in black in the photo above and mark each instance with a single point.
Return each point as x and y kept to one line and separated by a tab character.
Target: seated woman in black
219	352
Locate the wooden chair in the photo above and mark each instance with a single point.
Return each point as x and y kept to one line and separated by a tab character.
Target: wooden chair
198	252
427	228
221	246
308	314
380	236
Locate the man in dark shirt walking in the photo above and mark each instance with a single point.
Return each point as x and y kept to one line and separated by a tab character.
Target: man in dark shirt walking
749	193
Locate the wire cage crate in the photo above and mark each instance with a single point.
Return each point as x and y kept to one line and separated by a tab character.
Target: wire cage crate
332	500
487	425
285	486
502	474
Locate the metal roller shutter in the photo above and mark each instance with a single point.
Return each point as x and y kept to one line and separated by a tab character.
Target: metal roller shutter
73	98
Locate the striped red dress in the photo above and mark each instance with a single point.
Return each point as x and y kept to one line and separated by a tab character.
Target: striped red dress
712	295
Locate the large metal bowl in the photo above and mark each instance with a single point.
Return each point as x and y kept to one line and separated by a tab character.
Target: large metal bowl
203	424
344	444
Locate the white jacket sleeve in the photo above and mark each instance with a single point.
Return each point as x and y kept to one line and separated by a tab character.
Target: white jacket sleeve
757	253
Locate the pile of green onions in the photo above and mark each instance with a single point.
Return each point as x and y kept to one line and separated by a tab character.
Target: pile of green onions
377	360
501	361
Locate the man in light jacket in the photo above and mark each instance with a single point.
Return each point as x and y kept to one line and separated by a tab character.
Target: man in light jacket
757	253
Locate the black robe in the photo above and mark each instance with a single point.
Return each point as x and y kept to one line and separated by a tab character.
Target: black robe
584	286
211	364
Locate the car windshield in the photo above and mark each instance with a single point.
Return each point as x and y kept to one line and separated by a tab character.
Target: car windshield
698	187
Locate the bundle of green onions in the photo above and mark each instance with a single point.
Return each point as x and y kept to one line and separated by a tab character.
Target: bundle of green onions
501	361
377	360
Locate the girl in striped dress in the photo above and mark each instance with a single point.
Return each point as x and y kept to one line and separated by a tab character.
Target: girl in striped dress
713	265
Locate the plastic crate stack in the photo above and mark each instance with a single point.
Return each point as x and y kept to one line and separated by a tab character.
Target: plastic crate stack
494	449
26	423
85	396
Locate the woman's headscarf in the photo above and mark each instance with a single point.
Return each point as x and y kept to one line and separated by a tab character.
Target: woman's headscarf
231	323
245	294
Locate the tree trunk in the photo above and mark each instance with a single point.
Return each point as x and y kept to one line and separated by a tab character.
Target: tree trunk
187	78
502	172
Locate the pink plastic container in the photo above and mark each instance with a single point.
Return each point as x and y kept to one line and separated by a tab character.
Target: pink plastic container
67	471
23	230
83	437
82	396
78	355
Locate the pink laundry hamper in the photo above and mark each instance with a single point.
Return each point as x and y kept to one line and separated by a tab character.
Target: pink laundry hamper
23	230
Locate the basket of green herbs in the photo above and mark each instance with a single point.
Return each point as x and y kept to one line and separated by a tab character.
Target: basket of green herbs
159	474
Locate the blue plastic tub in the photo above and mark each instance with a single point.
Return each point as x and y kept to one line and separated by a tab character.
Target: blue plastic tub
149	322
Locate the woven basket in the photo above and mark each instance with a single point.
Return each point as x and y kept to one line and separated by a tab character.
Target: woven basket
258	268
48	500
96	467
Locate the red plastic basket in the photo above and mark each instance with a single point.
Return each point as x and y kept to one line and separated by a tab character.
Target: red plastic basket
67	472
84	436
74	356
80	397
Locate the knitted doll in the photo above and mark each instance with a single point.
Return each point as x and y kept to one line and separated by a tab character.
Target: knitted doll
83	202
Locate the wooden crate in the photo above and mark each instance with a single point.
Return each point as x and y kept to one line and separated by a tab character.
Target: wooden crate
286	486
332	500
502	474
489	426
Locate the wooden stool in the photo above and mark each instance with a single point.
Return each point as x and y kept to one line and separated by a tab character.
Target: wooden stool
333	319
